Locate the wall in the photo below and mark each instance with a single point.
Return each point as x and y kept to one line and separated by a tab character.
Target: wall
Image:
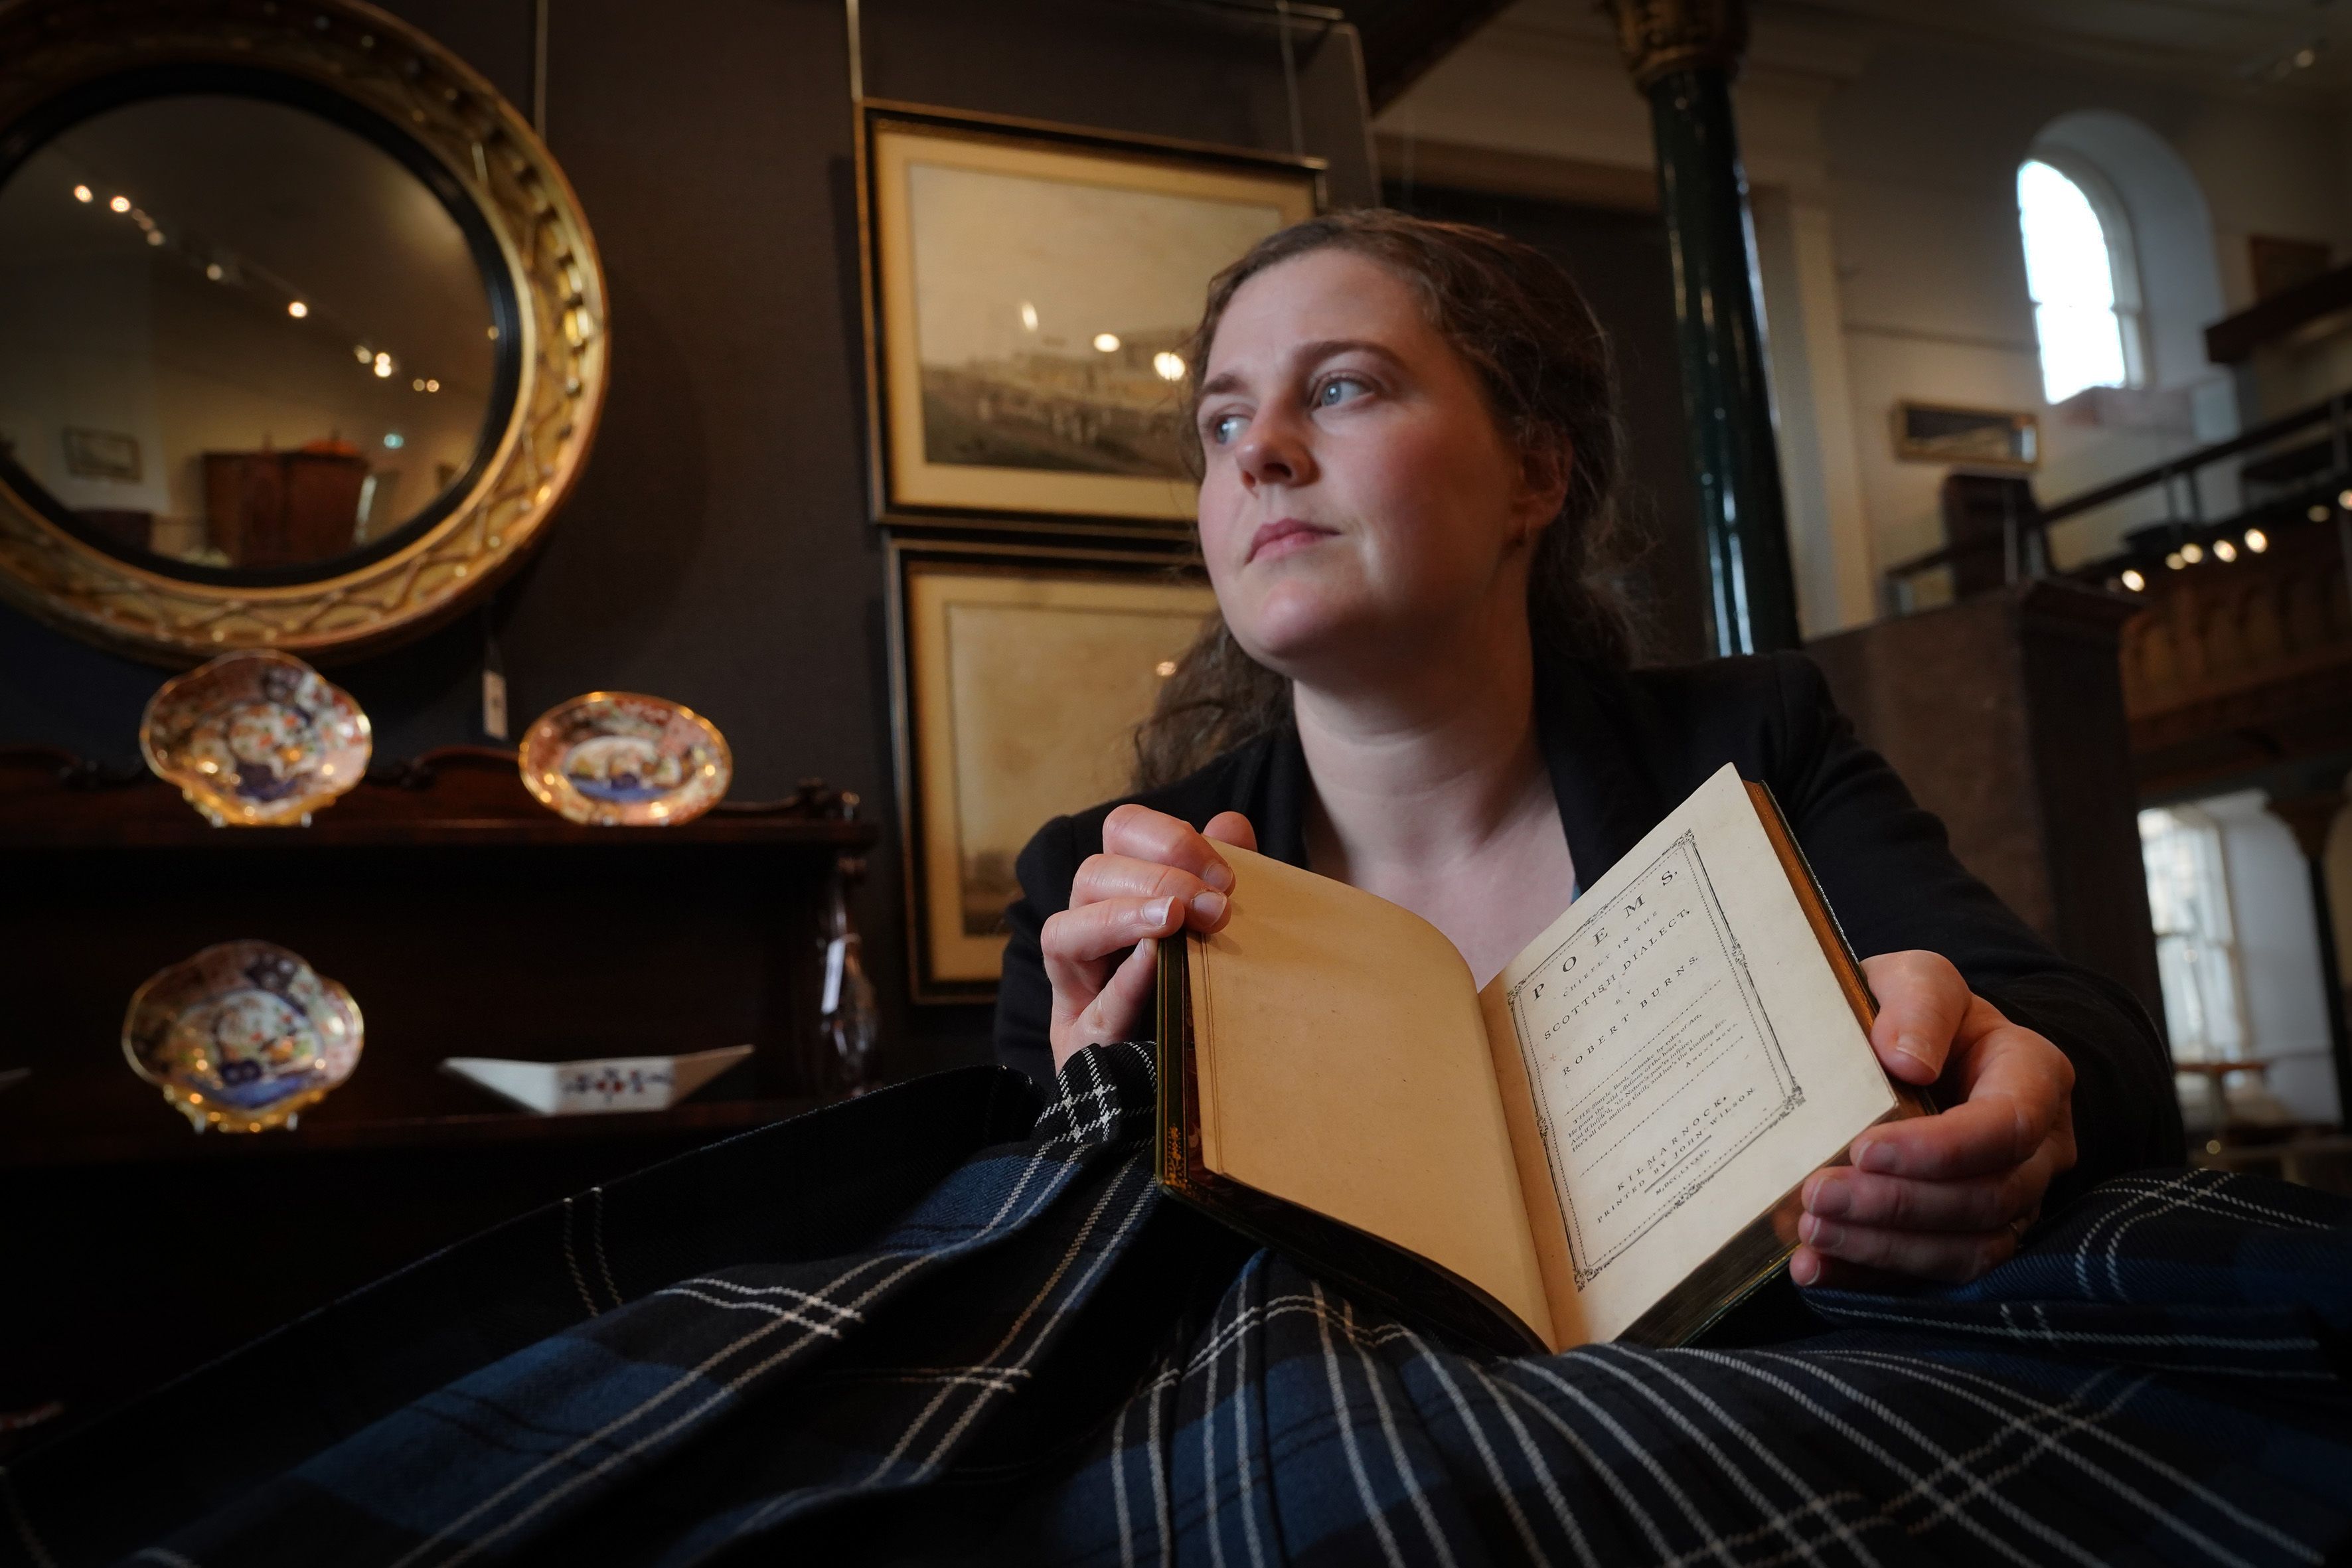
717	550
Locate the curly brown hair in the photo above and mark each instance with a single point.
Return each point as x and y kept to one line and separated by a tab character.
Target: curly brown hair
1524	328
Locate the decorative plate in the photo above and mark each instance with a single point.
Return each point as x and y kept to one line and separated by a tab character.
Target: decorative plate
255	740
242	1037
602	1084
615	759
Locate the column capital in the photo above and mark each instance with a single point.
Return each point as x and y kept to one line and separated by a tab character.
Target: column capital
1661	36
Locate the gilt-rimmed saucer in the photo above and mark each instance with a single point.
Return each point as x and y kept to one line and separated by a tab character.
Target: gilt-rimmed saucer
617	759
256	739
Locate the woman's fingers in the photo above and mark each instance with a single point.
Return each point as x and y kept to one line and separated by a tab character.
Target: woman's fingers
1139	833
1231	827
1123	878
1922	1002
1124	999
2018	1085
1832	1255
1078	938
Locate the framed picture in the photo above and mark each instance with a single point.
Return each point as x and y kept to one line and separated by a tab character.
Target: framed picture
1029	292
1983	437
101	455
1020	673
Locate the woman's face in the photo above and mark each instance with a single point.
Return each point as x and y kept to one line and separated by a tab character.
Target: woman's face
1359	504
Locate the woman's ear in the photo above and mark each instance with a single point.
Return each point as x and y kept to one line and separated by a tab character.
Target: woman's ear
1544	470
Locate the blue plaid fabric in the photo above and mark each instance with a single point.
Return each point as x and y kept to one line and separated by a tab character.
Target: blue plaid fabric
917	1329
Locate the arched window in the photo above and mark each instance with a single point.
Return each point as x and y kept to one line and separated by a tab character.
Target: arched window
2078	264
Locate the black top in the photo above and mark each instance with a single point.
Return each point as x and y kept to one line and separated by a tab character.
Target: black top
1625	748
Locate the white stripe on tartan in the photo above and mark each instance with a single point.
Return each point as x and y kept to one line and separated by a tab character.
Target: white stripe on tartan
2075	1336
1592	1460
1406	1477
1118	1485
1537	1464
1845	1428
2068	1425
776	1506
1639	1454
808	1297
572	1265
1163	1508
908	1263
1429	1356
596	1246
788	1314
1346	1421
1606	1356
1210	1489
2168	1473
2213	1193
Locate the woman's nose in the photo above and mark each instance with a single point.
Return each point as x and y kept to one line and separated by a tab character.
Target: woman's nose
1275	452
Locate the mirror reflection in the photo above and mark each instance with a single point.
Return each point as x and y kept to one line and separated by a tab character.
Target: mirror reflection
236	334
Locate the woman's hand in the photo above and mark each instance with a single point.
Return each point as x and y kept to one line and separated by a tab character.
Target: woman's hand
1945	1196
1155	877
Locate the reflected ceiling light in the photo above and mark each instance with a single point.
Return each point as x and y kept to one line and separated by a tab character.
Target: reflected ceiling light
83	194
363	353
494	334
2317	514
2344	499
1164	668
120	204
2192	552
383	367
154	236
2174	561
1028	316
296	309
212	270
1107	342
2133	580
1170	366
2257	540
416	386
431	385
393	440
2224	551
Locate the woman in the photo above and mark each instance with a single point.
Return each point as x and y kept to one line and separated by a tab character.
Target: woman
931	1325
1418	685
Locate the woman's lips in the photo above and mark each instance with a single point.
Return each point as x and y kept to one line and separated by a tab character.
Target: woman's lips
1283	536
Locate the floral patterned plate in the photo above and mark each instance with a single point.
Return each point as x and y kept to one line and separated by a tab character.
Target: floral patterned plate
242	1037
255	740
615	759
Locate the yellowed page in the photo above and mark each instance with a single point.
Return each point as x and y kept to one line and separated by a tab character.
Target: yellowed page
1687	1053
1343	1067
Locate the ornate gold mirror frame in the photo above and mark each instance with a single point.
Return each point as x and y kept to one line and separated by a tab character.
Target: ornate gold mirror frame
49	48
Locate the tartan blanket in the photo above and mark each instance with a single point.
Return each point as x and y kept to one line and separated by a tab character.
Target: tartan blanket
917	1327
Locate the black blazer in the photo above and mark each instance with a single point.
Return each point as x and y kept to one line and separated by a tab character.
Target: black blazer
1623	748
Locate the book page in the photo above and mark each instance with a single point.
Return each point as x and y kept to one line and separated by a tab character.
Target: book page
1686	1054
1343	1066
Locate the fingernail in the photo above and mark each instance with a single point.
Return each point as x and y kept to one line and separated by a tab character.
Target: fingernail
1804	1268
1916	1048
1210	907
1158	912
1829	1198
1878	1155
1826	1236
1219	876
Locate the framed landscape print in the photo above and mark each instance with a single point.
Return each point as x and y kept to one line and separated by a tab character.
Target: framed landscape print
1020	674
1029	294
1988	438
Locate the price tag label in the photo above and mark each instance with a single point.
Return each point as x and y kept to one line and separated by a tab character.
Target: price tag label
836	951
494	705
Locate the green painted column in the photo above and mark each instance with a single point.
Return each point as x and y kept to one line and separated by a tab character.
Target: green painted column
1682	54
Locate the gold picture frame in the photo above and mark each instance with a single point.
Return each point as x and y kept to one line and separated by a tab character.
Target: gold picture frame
1027	289
366	69
2008	439
1018	675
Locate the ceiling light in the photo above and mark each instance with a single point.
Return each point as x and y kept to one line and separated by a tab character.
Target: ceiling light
2257	540
1028	316
383	368
416	386
2344	499
363	353
392	439
1164	668
296	309
2224	551
2174	561
1170	366
2317	514
83	194
120	204
431	385
154	236
2133	580
212	270
2192	552
1107	342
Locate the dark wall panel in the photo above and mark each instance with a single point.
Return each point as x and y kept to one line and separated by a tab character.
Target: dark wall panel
717	550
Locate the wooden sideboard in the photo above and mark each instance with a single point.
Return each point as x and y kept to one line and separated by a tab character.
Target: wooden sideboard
466	921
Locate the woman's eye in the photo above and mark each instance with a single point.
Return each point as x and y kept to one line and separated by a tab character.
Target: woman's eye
1225	427
1338	390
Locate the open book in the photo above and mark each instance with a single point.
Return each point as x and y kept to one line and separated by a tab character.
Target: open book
1605	1143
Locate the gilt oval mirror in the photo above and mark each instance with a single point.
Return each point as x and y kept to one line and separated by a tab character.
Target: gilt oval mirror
299	327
